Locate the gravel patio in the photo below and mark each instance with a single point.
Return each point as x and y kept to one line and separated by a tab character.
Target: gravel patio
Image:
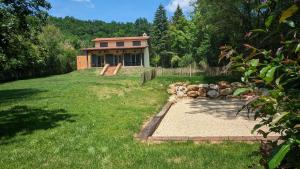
206	118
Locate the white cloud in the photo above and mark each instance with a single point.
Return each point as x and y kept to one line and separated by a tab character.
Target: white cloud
184	4
87	3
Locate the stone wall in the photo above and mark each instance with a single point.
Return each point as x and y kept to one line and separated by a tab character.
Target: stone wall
221	89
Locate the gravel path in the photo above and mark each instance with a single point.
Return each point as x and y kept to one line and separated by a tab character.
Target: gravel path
205	118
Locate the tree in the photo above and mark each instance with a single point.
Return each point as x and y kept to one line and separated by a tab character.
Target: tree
179	20
222	22
156	60
21	22
187	60
180	34
141	26
59	53
159	35
175	61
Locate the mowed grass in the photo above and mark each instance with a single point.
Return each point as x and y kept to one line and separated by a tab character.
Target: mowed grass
81	120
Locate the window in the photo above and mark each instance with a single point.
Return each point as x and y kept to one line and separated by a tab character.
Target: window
120	44
136	43
132	59
103	44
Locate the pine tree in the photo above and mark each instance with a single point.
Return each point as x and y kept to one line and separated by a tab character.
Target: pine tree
178	16
159	35
179	33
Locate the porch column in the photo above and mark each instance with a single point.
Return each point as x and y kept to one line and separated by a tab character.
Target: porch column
146	57
123	58
141	59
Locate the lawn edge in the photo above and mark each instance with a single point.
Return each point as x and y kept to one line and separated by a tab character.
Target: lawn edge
147	131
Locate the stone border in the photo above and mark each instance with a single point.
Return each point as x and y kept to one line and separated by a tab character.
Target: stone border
150	128
214	139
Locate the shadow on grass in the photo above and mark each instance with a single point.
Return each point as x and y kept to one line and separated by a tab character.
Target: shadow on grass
25	120
16	94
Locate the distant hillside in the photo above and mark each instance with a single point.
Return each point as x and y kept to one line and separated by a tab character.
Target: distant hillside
88	30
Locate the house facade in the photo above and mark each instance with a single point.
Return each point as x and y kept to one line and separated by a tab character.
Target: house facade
127	51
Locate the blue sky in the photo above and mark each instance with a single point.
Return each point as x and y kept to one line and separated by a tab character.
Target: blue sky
114	10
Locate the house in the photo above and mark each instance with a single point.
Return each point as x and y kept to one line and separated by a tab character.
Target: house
124	51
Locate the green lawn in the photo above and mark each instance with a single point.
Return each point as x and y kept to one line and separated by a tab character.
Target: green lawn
80	120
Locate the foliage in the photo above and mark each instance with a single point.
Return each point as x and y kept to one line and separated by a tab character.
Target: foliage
275	67
186	60
221	22
82	32
21	22
175	61
159	33
179	33
156	60
141	26
59	55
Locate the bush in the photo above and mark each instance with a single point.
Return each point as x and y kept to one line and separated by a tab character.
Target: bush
275	68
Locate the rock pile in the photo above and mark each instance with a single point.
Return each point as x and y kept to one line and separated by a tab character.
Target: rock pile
221	89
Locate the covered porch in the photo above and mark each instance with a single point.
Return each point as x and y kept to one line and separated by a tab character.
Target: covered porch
127	57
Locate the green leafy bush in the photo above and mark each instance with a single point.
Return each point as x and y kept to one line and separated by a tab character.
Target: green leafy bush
275	69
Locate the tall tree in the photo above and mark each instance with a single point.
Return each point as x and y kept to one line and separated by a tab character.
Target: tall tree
159	34
180	34
179	19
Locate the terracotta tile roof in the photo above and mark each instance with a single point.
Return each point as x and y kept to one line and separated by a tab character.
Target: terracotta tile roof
108	48
122	38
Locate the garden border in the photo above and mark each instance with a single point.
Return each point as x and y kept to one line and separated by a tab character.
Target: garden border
214	139
150	127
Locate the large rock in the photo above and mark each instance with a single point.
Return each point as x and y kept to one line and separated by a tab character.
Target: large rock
181	88
193	87
225	92
214	87
237	84
193	94
213	94
172	86
181	94
172	90
224	84
181	91
232	97
204	86
202	92
178	83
